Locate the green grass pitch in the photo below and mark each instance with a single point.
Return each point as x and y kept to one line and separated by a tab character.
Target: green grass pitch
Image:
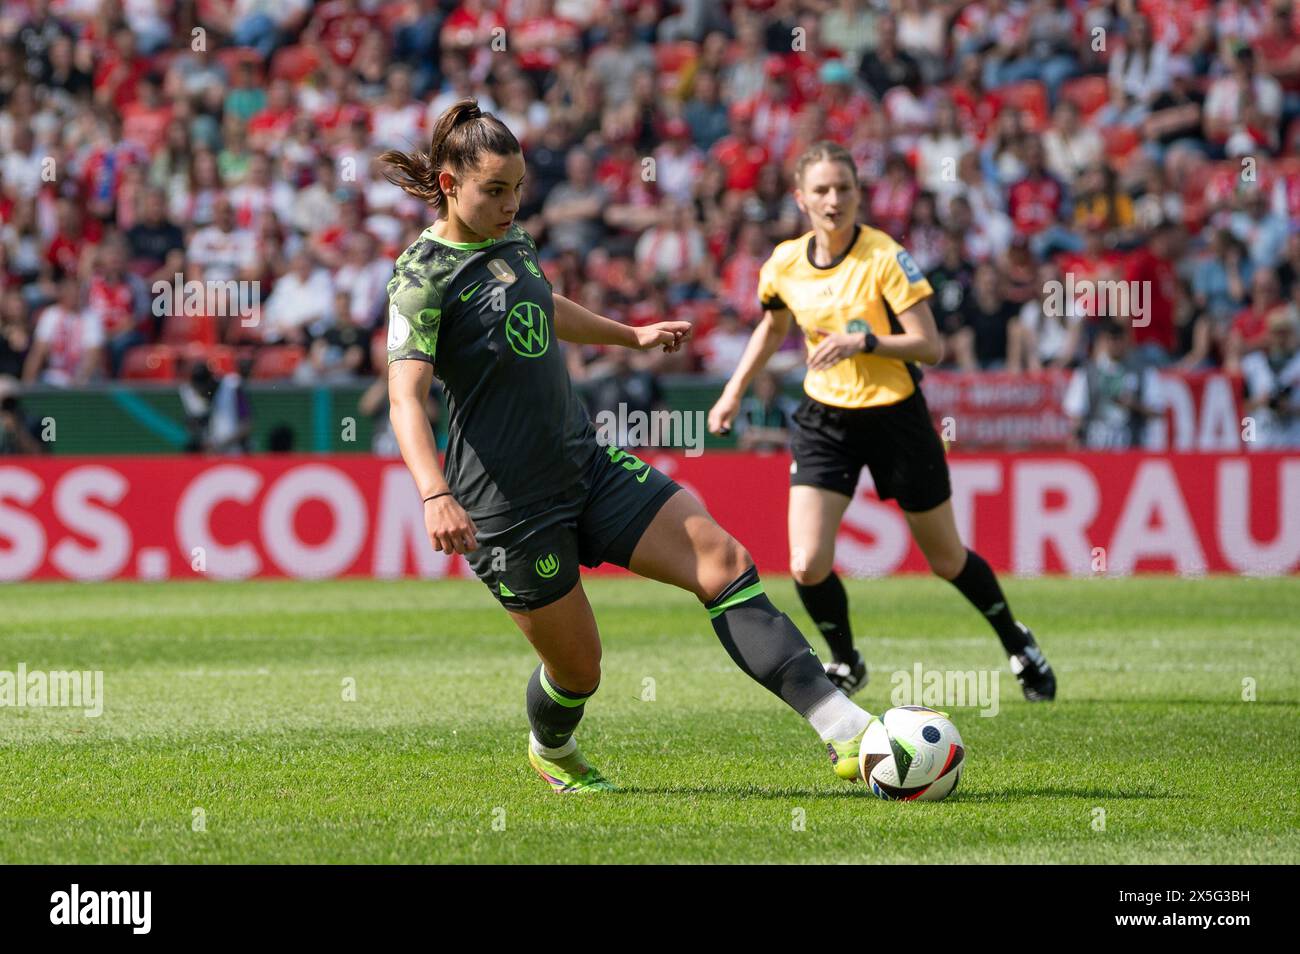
225	712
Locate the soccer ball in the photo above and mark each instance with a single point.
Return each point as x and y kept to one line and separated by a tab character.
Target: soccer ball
912	754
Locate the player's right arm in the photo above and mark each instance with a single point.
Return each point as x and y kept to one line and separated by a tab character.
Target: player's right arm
449	527
413	326
763	343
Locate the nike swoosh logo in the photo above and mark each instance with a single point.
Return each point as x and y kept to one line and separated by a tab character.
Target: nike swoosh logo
644	474
465	295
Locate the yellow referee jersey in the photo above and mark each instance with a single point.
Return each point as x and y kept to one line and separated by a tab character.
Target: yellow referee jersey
872	283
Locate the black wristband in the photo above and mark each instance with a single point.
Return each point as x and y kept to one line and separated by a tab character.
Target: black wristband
869	343
445	493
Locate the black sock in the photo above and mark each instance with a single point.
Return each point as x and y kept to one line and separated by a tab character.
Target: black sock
978	584
828	605
767	645
553	712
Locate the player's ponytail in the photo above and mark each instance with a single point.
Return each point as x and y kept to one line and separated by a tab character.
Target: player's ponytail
824	150
460	136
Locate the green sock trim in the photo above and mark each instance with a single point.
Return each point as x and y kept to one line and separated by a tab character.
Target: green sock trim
748	593
559	698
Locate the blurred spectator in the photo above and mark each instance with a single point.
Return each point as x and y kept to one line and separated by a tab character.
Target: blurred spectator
889	66
157	245
952	279
68	346
1070	146
302	304
619	59
765	417
1249	331
1262	231
20	433
673	251
221	249
120	301
1052	334
15	333
1138	72
338	353
1112	398
989	337
573	210
850	27
1271	377
363	278
1243	107
217	413
705	113
677	161
720	350
620	384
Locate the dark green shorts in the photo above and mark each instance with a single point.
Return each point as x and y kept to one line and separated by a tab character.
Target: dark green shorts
530	557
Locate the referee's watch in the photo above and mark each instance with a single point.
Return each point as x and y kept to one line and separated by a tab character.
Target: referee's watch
869	343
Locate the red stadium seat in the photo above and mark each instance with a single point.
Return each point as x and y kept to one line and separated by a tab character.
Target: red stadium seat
294	63
220	358
150	363
277	361
1029	96
189	329
1089	93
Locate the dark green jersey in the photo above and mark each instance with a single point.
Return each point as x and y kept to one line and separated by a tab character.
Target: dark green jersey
483	315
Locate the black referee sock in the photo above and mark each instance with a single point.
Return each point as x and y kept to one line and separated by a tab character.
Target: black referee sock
828	605
553	712
979	585
767	645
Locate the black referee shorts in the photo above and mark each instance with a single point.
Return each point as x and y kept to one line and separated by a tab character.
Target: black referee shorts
897	443
530	557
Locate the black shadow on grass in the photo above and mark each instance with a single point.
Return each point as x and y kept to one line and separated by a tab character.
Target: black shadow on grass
1050	791
742	791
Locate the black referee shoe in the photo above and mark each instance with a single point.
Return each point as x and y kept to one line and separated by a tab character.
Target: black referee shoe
848	677
1037	680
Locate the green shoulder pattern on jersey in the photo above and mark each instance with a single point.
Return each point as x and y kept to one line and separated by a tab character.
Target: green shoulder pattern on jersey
416	290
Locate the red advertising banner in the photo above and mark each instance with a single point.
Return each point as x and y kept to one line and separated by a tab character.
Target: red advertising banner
997	410
314	517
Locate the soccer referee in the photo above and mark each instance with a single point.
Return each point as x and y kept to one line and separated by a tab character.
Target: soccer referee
860	300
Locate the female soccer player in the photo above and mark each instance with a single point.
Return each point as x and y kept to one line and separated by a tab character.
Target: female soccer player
860	300
527	493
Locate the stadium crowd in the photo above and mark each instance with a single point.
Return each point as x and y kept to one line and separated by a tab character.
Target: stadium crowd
151	147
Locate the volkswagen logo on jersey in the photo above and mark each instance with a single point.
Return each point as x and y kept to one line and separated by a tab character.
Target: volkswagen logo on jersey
526	330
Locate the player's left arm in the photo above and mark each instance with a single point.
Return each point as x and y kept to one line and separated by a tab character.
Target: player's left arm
580	326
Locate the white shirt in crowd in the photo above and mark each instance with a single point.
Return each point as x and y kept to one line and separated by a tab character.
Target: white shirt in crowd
1273	430
297	302
223	255
69	335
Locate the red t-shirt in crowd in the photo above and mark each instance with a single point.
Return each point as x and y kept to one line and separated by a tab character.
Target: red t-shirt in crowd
112	301
1145	265
1035	204
341	30
743	162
